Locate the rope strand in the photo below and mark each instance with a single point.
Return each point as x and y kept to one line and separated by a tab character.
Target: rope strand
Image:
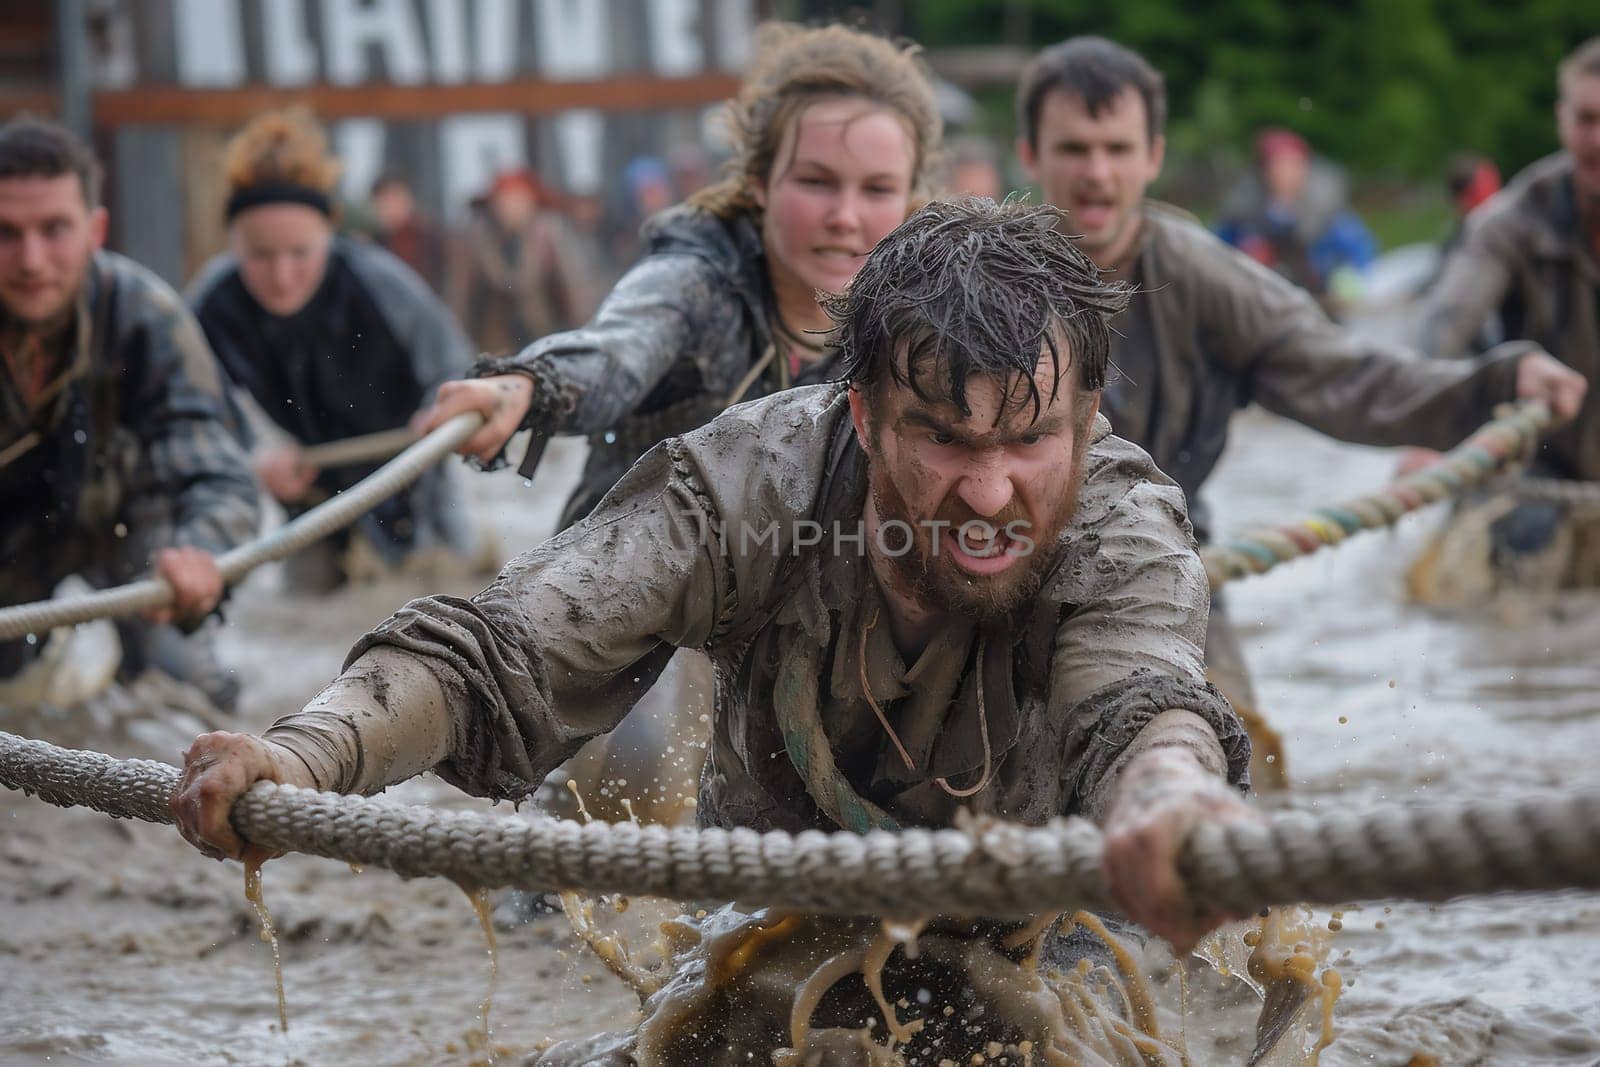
984	868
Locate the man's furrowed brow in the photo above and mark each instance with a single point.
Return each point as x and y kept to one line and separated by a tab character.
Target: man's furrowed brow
945	419
1052	421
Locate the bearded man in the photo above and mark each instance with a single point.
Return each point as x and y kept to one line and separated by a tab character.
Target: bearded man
939	585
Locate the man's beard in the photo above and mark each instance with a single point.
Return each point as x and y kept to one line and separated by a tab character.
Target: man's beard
935	579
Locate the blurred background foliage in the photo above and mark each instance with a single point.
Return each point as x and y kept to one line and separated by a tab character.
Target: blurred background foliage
1390	89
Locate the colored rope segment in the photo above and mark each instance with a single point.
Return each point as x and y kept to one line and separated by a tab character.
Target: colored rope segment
1499	443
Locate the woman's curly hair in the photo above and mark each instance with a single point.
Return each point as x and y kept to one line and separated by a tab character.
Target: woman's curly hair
281	148
797	66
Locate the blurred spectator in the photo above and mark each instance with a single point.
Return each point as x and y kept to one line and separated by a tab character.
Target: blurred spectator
690	169
406	231
647	190
1471	179
975	169
522	273
1291	214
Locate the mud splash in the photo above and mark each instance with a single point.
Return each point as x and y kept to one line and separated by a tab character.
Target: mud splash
796	991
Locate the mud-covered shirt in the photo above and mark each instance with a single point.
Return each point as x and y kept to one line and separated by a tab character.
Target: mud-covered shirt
572	633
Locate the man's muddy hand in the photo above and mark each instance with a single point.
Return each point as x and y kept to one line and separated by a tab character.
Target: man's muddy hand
1557	386
217	771
1162	794
196	584
285	472
502	400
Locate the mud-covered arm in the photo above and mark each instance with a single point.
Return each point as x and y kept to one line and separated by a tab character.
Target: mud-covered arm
1128	669
669	307
495	691
176	407
1302	365
1469	290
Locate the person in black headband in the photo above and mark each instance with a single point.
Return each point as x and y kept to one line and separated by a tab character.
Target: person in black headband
330	338
246	197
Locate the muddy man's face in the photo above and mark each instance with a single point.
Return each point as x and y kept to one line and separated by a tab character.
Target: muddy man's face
977	499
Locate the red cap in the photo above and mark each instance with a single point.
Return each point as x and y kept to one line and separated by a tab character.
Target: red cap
1275	141
519	178
1484	184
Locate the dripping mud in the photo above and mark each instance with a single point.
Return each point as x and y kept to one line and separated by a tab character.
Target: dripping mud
119	944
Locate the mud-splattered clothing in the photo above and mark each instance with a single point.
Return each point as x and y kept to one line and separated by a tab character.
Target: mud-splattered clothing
363	355
1526	256
667	350
132	453
1211	331
572	633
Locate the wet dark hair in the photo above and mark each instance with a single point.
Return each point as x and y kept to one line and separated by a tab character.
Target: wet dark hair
33	148
1095	70
975	287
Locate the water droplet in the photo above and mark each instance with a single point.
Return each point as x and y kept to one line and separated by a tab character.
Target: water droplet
611	437
80	437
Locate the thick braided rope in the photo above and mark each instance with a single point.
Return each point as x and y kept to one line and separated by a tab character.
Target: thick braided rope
989	869
309	528
1496	444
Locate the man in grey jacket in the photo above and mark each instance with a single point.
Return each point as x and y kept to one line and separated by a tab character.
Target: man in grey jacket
113	454
910	609
1208	330
1531	255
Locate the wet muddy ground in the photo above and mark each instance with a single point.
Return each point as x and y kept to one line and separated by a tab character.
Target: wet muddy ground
119	944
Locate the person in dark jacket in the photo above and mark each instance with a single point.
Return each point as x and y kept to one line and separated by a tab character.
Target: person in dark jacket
115	459
405	229
330	338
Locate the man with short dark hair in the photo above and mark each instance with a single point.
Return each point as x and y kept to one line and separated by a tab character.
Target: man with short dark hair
113	453
943	586
1210	330
1531	255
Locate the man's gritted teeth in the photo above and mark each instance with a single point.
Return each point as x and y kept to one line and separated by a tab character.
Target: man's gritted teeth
981	548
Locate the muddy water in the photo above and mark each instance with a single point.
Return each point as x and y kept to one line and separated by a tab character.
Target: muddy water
119	944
